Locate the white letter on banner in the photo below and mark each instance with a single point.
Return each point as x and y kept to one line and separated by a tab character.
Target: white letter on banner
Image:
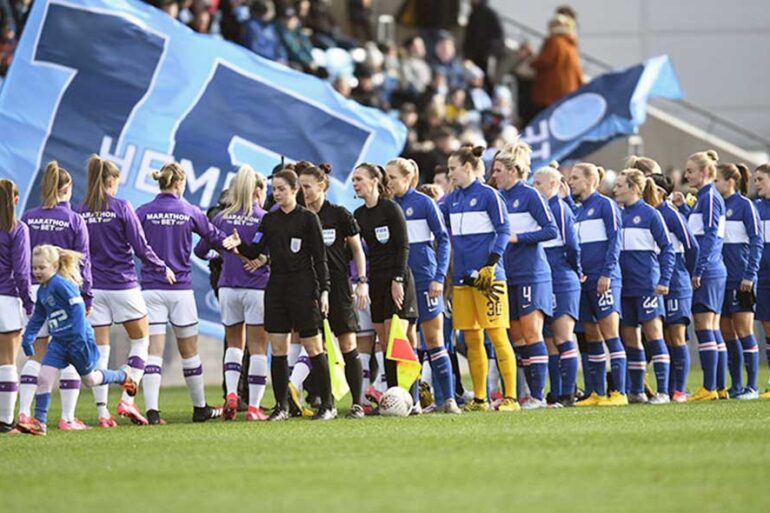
532	138
124	163
151	161
207	180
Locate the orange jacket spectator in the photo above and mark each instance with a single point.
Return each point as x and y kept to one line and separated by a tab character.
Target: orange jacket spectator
557	68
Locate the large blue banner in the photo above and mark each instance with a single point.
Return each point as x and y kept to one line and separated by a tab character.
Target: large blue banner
124	80
610	106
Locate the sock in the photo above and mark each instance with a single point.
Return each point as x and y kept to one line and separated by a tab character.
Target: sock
101	392
354	375
443	377
538	364
151	382
381	380
459	389
681	357
554	378
294	350
637	366
279	374
721	379
751	357
9	388
735	364
477	362
618	364
589	386
366	381
426	372
28	386
661	364
597	362
257	379
767	351
42	402
323	378
232	367
568	366
707	350
193	375
137	356
506	361
522	355
69	391
432	380
110	376
301	370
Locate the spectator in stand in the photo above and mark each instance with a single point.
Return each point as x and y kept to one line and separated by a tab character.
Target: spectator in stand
359	17
7	36
441	178
478	96
366	92
432	119
317	16
456	108
235	14
20	11
170	7
445	142
297	44
260	35
446	60
408	115
341	84
484	36
415	71
201	16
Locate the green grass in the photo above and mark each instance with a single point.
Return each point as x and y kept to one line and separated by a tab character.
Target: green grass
677	458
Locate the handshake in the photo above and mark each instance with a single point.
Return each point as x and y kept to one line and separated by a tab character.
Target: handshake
484	281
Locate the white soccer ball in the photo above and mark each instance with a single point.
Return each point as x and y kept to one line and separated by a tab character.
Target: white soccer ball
396	402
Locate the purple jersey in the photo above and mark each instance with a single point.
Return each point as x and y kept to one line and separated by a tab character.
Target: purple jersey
233	274
169	222
15	276
63	227
114	232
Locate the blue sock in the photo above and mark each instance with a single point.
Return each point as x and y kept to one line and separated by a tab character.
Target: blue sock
767	350
443	379
42	401
538	365
707	350
618	363
637	366
721	360
681	360
661	364
751	357
588	376
568	366
671	372
735	364
112	376
597	363
554	377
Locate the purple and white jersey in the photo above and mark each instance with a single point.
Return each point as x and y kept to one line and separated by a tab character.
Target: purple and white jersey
15	275
116	235
233	274
61	226
169	222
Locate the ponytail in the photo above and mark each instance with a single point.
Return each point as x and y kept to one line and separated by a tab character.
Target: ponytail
590	170
8	194
376	172
241	192
516	156
168	175
320	172
469	154
738	173
55	179
99	171
407	167
68	261
651	194
706	161
743	169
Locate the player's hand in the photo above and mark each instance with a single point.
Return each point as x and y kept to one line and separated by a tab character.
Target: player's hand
485	278
170	276
677	198
252	265
696	282
323	303
435	289
89	310
493	292
397	292
29	349
746	285
361	295
603	285
514	239
233	241
583	278
661	290
563	189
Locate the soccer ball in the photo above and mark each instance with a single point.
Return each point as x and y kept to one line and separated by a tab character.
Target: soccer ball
396	402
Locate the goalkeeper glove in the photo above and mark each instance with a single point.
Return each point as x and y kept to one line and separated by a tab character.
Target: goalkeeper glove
487	273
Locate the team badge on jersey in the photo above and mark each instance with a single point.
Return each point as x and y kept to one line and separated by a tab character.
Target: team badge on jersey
729	212
296	244
382	233
591	211
637	220
409	211
473	202
515	203
51	301
330	235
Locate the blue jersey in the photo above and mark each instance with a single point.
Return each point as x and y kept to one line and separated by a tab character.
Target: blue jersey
685	250
563	252
646	253
478	225
59	302
742	248
707	221
763	210
598	227
425	225
531	220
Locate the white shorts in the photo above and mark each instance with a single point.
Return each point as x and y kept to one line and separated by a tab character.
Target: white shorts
365	326
174	306
117	306
44	328
242	305
12	317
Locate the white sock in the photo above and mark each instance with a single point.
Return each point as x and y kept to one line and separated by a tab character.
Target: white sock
301	370
380	381
69	391
427	372
193	376
233	359
366	360
28	386
494	376
257	379
137	358
101	392
9	389
151	382
294	350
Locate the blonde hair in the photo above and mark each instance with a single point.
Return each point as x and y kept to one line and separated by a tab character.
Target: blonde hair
67	261
516	156
168	175
645	185
8	193
431	190
590	170
55	178
706	160
407	167
99	171
241	192
644	164
551	171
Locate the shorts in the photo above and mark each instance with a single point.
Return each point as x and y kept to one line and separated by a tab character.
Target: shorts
12	317
710	296
763	305
732	304
342	310
678	310
43	333
525	299
117	306
639	309
594	307
382	307
429	308
292	305
365	326
564	303
172	306
81	354
237	306
471	310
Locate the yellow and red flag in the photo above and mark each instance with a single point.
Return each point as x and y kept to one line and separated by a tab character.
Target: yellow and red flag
336	364
400	351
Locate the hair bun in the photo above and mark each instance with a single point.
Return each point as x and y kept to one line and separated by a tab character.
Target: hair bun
478	151
554	164
713	155
325	167
156	175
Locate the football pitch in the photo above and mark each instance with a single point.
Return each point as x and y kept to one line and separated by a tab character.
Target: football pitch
694	457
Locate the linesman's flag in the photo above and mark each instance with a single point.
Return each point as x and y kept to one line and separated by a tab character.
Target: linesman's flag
336	364
401	352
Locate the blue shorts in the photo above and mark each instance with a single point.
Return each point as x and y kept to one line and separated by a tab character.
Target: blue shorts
564	303
710	296
763	305
594	307
732	304
427	308
678	310
82	356
525	299
639	309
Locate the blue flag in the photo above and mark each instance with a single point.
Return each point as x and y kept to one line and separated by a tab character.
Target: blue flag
610	106
124	80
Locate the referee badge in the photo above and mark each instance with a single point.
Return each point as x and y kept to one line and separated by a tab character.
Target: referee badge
296	244
382	233
330	235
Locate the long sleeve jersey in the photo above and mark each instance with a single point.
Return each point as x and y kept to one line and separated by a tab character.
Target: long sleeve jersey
563	252
763	210
60	303
63	227
598	226
479	226
425	227
646	253
685	250
383	227
169	223
15	266
233	274
338	224
742	249
707	221
115	236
